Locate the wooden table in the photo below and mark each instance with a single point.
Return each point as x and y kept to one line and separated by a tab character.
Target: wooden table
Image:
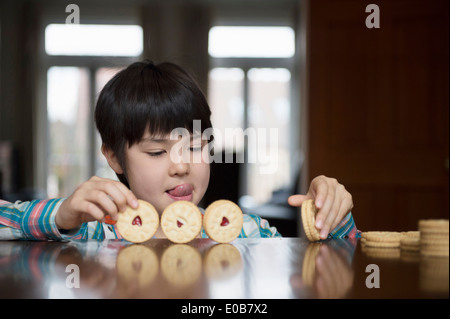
248	268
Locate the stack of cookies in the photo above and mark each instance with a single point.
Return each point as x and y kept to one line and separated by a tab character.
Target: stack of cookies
434	274
410	241
434	237
384	244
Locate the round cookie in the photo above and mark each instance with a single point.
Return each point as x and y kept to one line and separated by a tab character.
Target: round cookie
410	240
138	225
410	243
181	265
384	239
309	212
137	262
223	221
181	221
222	261
383	252
309	264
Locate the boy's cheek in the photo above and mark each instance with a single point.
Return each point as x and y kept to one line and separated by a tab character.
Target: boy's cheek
203	182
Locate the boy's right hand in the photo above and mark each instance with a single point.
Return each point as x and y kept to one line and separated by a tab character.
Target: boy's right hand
93	200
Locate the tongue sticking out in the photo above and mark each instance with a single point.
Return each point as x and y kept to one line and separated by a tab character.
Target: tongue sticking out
181	190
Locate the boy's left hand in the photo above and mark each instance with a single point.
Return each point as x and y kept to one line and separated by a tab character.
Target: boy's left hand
331	199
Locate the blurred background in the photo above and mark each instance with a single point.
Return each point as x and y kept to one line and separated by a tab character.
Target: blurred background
368	106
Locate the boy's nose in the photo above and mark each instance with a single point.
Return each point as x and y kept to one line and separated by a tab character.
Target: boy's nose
179	168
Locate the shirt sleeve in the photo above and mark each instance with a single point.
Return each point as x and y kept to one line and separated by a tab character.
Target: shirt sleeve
34	220
257	227
345	229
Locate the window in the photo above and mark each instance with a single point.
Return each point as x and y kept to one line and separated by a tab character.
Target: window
76	74
68	113
250	93
102	169
226	98
254	42
93	39
268	111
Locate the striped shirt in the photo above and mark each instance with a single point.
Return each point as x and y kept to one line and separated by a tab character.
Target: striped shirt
35	220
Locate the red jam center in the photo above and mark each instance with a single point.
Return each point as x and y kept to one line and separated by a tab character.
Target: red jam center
225	264
137	265
137	221
179	224
224	222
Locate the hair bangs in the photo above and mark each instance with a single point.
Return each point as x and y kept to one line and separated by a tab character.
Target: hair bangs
164	102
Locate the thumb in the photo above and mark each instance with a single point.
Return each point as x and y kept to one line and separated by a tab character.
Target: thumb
297	200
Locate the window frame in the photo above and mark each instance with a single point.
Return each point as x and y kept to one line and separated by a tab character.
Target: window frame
247	63
41	142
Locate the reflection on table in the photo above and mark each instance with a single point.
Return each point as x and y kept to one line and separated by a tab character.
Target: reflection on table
245	268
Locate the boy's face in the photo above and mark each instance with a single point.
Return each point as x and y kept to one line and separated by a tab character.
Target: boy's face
158	173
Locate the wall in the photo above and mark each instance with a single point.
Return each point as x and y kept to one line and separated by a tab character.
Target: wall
377	107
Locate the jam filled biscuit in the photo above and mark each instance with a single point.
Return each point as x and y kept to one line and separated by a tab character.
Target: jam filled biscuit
223	221
137	263
222	261
138	225
309	212
181	221
181	265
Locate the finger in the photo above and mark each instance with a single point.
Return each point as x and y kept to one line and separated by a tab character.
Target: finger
344	209
296	281
327	193
332	215
325	278
331	273
86	218
320	189
131	198
102	182
116	196
92	210
103	201
297	200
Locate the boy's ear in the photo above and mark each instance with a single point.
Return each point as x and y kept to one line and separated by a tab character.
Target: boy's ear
112	159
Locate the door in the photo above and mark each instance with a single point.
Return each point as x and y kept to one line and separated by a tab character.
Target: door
377	108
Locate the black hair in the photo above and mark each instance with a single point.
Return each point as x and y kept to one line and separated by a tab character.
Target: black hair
160	97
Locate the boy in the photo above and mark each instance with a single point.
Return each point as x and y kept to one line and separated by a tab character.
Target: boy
135	114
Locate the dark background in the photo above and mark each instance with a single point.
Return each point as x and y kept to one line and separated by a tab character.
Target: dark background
374	102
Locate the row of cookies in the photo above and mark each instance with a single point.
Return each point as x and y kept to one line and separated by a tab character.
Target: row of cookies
182	221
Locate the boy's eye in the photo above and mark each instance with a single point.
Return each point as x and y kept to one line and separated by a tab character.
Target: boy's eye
155	154
195	148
